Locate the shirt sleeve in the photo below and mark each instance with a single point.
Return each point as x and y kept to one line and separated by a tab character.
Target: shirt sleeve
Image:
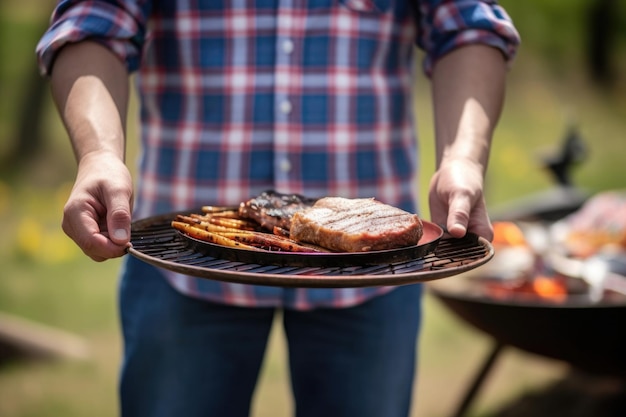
120	25
448	24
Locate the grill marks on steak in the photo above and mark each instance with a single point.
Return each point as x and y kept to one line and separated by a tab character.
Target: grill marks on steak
355	225
273	210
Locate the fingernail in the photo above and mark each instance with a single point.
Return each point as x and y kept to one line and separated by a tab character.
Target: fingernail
457	229
459	226
120	234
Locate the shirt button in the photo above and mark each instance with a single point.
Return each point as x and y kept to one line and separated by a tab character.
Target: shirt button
361	5
288	46
285	165
285	107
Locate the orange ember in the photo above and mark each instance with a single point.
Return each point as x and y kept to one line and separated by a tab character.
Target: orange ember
508	234
550	288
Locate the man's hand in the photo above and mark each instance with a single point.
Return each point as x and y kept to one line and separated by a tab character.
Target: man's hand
97	214
90	88
468	92
456	199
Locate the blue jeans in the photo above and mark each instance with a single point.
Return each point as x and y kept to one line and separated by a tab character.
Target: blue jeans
191	358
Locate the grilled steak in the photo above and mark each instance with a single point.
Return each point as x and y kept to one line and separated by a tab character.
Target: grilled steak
272	209
355	225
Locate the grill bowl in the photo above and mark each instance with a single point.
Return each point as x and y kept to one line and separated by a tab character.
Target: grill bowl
585	334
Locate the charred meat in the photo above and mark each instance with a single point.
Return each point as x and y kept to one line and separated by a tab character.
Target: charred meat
273	210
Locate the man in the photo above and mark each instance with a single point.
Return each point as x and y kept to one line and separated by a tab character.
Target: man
237	97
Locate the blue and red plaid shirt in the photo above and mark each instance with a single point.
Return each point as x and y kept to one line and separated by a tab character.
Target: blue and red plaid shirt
304	96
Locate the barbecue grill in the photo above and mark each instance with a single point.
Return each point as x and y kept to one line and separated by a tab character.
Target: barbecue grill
578	330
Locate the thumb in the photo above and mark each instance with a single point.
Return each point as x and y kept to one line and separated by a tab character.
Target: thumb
465	217
118	220
458	216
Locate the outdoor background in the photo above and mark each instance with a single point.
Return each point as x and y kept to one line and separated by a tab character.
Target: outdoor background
570	72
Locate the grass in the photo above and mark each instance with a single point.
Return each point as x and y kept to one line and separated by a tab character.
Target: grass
43	277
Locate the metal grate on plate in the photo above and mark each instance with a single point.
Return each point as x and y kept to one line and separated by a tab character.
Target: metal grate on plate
156	242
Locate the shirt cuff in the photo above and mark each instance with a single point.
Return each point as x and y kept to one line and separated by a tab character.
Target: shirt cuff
471	37
119	32
453	24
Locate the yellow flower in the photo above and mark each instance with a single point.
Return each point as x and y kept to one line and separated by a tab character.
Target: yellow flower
29	237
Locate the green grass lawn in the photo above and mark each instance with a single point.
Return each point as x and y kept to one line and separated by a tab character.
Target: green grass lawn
44	278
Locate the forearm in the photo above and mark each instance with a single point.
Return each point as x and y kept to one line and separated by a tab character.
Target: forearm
468	91
90	90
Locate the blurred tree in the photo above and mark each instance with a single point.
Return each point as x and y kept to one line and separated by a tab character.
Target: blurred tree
27	137
602	35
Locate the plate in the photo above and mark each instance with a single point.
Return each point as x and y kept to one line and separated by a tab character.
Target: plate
155	241
431	236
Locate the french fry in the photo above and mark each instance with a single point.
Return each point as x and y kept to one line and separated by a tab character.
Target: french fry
209	227
266	240
233	223
209	236
228	214
188	219
217	209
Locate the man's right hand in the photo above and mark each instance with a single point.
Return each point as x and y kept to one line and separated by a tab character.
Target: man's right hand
97	214
90	88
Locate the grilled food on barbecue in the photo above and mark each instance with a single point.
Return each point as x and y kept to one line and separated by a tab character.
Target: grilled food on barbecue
355	225
272	209
598	226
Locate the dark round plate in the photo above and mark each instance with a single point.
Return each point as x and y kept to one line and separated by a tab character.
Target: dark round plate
155	241
428	242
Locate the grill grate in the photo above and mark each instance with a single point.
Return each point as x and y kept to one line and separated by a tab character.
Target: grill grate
155	242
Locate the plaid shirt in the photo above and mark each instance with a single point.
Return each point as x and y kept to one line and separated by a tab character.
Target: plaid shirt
303	96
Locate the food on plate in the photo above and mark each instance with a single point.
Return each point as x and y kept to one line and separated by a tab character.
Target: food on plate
293	223
355	225
599	225
198	232
273	210
237	233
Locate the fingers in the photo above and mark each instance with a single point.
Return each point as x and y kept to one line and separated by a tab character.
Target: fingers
97	215
81	223
458	216
465	215
460	209
118	218
477	221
